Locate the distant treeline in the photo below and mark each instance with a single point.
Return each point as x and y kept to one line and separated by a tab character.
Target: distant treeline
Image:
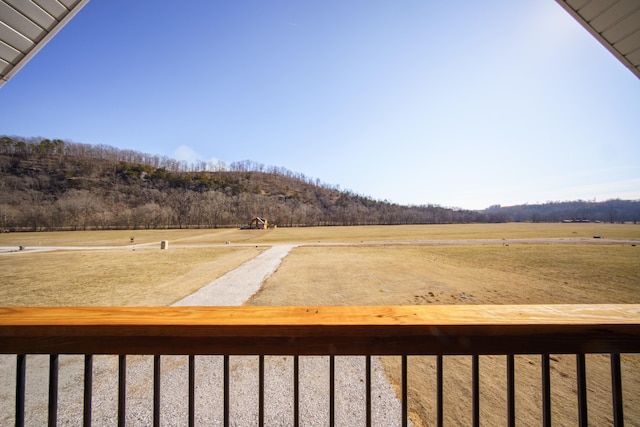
612	211
60	185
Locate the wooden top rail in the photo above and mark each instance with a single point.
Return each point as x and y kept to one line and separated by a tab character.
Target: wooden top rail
339	330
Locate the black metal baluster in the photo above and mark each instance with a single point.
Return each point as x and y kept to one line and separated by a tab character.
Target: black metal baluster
581	373
475	395
122	390
226	391
404	391
546	391
332	390
616	389
21	365
156	390
53	390
88	390
261	390
296	391
439	396
192	390
368	388
511	391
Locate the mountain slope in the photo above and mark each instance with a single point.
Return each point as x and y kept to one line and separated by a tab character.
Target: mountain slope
55	185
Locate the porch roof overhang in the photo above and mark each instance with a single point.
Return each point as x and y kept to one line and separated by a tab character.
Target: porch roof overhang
614	23
26	26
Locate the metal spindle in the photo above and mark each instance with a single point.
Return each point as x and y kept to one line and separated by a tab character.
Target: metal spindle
296	391
439	396
21	365
122	390
404	391
53	390
546	391
226	391
192	390
511	391
368	388
156	390
581	373
332	390
616	389
261	390
475	394
88	390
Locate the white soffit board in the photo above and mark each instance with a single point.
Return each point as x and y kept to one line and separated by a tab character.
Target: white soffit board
614	23
26	26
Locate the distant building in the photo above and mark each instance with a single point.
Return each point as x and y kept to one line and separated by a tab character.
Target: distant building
258	223
566	221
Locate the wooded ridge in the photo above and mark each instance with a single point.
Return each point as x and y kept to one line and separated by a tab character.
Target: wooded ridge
58	185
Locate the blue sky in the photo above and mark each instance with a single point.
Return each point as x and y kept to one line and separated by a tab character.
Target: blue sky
458	103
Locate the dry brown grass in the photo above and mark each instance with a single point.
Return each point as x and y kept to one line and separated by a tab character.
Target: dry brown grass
359	274
102	238
381	233
113	277
476	274
480	274
417	233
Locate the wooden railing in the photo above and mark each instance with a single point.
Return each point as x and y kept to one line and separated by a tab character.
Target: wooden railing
347	330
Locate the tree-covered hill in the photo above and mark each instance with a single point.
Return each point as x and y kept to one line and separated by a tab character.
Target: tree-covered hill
57	185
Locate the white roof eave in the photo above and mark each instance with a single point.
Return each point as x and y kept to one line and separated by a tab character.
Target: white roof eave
614	23
26	26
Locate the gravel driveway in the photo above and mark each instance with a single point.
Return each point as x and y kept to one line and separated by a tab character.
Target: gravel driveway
232	289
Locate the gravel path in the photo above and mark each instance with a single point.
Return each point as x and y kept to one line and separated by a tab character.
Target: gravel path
234	288
237	286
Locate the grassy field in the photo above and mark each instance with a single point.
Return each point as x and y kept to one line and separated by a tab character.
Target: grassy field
488	274
474	274
406	269
404	233
420	264
113	277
